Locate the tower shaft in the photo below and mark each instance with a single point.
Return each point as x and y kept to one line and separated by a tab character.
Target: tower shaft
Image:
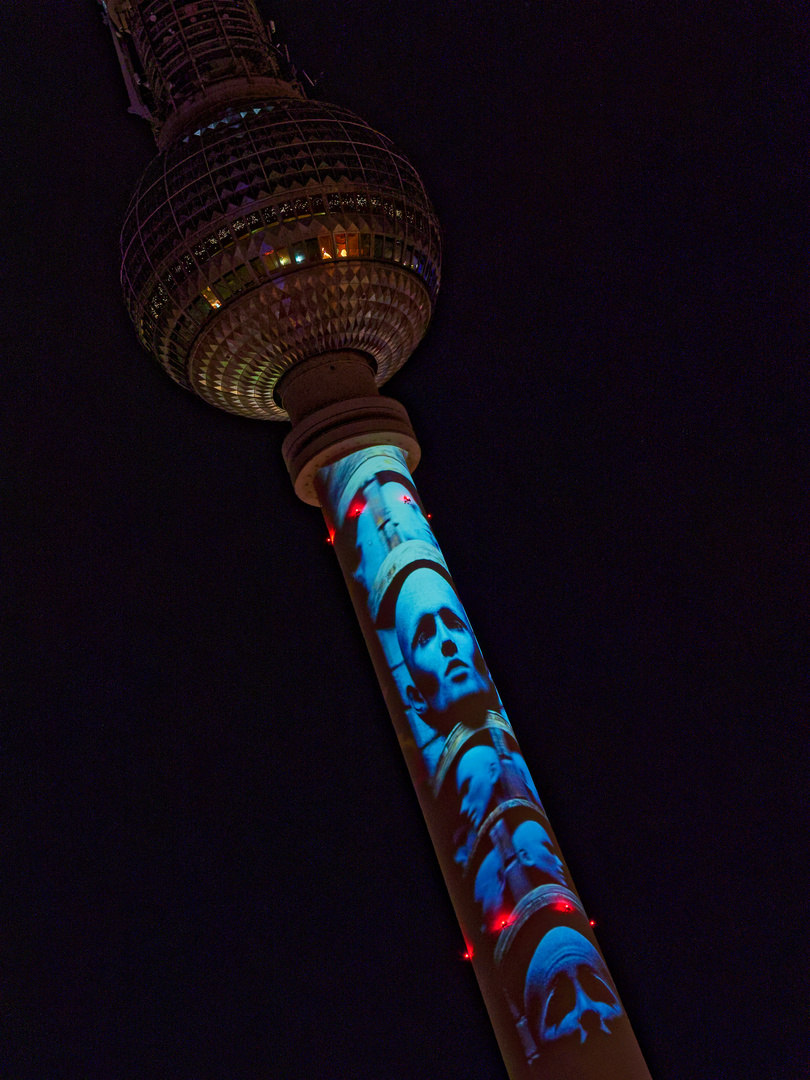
553	1005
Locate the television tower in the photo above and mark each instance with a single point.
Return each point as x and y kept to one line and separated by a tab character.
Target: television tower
282	260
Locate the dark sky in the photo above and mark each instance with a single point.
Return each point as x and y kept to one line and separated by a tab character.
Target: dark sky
216	866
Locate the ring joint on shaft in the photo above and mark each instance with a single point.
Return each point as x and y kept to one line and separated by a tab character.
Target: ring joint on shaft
336	409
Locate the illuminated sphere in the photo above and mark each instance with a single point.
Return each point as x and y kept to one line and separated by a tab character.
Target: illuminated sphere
285	229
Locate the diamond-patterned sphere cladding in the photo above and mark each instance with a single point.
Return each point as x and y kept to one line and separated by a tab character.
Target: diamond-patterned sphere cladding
281	231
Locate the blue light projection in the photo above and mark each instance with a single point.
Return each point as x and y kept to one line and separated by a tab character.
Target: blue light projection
548	990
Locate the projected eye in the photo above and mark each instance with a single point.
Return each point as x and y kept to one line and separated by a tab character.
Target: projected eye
562	1001
425	630
451	620
594	987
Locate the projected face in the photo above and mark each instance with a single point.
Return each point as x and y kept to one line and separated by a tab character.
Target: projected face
369	544
523	771
568	990
476	776
438	645
385	514
489	887
534	848
402	514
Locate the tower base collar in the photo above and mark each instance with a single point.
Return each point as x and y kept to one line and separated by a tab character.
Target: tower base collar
334	432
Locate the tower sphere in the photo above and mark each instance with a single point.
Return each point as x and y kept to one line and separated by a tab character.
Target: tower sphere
281	229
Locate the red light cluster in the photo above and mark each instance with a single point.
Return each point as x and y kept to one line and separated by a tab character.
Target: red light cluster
501	921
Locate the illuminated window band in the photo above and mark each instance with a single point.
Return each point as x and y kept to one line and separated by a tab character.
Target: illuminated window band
325	247
287	162
524	926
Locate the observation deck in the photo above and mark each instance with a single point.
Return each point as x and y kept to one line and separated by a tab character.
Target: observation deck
270	228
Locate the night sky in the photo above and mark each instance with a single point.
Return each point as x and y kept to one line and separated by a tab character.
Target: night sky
215	864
